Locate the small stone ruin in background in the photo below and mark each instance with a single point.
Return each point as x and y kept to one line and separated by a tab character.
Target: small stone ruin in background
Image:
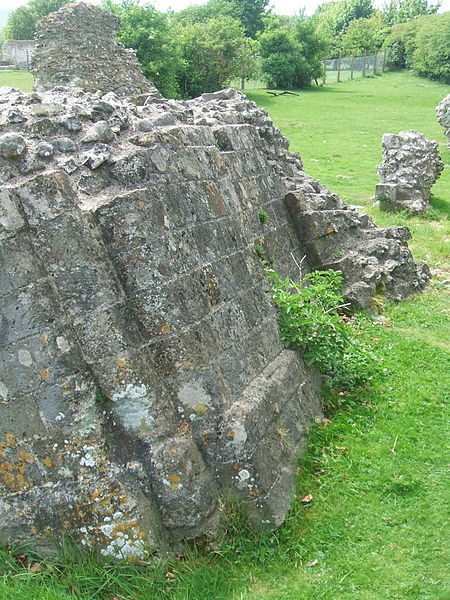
443	115
76	47
411	165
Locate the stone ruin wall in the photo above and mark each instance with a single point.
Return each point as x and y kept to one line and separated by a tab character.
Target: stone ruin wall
443	115
18	53
142	375
411	165
76	47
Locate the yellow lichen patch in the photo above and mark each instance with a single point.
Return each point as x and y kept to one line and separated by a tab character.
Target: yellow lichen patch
185	364
43	340
10	439
123	367
165	329
26	456
47	462
175	482
231	433
45	374
123	364
330	229
183	428
13	475
201	409
141	204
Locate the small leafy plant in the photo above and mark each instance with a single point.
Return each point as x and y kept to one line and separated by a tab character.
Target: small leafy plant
262	255
263	216
312	319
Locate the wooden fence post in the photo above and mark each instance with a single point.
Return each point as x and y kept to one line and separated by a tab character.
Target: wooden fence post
364	64
352	66
324	70
339	69
375	64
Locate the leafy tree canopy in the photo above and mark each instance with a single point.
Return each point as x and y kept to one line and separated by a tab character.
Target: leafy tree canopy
149	32
291	56
250	13
22	22
332	18
210	52
431	56
401	11
364	35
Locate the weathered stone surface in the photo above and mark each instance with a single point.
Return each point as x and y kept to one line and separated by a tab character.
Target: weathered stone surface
411	165
142	373
12	145
75	47
135	273
18	52
443	115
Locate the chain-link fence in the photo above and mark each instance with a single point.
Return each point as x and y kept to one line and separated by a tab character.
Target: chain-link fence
351	67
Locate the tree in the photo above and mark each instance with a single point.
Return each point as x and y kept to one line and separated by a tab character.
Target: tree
291	55
210	52
21	24
334	17
203	12
247	60
149	32
401	43
364	35
431	56
251	14
401	11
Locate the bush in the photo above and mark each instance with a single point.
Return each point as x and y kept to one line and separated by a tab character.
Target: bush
291	54
431	57
311	319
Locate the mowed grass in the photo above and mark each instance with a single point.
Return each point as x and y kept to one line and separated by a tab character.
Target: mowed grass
338	128
23	80
376	528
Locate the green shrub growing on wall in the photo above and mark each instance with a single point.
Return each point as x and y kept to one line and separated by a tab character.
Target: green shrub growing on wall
311	319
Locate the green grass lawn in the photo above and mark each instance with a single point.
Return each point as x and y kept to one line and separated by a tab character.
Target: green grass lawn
376	528
17	79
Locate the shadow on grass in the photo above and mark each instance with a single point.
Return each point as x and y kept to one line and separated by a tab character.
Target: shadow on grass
441	205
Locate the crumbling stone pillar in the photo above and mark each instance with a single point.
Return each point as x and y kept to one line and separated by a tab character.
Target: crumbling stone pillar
76	47
411	164
443	115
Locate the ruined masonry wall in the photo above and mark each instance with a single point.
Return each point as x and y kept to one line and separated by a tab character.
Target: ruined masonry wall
76	47
411	165
142	376
142	372
18	52
443	115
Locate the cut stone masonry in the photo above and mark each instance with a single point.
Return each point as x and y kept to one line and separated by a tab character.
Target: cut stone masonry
142	375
